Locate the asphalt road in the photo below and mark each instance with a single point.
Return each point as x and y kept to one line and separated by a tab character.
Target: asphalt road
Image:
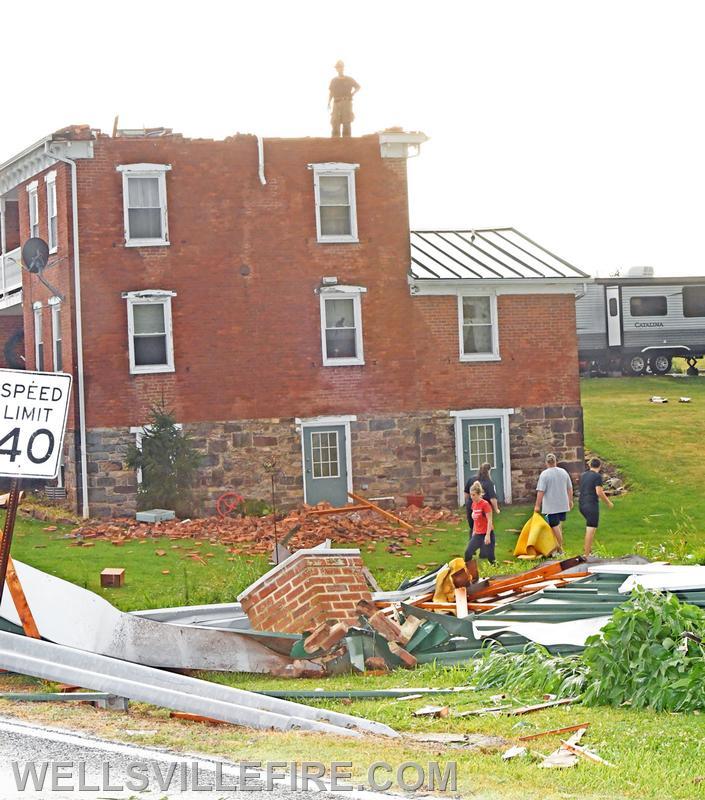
68	765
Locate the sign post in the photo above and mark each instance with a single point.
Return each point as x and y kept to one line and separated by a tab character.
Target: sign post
33	411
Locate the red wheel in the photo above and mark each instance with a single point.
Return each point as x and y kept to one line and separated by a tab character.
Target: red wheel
227	504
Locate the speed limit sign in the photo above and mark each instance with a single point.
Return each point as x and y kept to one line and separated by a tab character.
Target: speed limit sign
33	411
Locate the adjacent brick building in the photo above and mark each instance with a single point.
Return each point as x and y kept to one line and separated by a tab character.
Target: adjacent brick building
269	293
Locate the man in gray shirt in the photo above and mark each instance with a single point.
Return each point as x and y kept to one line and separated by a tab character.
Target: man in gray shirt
554	496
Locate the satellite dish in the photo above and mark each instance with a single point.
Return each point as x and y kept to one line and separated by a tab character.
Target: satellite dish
35	254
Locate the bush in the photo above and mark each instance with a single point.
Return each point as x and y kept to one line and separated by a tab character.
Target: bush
169	461
643	657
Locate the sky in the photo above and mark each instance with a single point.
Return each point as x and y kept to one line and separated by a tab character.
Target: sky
578	123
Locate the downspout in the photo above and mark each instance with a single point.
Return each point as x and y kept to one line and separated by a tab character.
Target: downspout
260	155
79	330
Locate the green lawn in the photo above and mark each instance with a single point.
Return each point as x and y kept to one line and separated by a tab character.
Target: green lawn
657	450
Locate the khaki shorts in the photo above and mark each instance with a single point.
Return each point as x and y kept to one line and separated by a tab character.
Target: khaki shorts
342	112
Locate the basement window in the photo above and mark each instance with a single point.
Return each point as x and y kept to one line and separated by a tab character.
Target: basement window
336	213
33	203
341	325
144	204
52	216
479	336
149	330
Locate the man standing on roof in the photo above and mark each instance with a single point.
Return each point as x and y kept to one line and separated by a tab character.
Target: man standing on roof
340	94
554	497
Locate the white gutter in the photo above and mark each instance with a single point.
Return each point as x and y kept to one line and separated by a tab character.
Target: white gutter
260	154
79	330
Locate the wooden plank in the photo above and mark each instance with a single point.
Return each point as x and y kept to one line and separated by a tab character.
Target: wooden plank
20	600
319	512
581	751
540	706
553	732
461	602
381	511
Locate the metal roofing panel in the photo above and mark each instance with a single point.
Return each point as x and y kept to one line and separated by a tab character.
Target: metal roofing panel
485	254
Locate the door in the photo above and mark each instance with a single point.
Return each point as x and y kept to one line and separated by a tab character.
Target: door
325	464
614	316
482	442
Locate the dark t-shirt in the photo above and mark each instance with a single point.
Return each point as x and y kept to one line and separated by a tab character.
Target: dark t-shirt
488	490
589	481
341	87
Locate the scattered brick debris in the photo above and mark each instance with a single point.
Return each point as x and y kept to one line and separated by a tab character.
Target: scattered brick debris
256	534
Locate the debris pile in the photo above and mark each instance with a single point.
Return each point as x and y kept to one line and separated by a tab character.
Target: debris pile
301	528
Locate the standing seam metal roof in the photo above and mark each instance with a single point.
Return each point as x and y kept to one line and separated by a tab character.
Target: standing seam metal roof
485	254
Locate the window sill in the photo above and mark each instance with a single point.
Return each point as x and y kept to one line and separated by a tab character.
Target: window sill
338	240
480	358
146	243
343	362
53	250
151	370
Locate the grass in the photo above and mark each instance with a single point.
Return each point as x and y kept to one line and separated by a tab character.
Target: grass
656	755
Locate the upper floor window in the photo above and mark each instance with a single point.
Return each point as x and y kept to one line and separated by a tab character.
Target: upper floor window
52	215
648	306
341	325
33	201
479	336
336	213
38	337
149	331
144	204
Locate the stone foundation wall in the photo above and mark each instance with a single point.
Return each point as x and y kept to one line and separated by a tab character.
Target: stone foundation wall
392	455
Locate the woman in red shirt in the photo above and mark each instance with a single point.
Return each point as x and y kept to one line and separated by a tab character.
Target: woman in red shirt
482	538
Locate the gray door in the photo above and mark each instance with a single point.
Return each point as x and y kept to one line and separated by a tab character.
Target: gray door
482	441
325	464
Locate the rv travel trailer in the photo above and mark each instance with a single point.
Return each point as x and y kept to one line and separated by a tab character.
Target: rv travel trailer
638	323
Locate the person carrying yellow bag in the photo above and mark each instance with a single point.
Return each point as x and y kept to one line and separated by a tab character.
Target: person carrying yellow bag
536	538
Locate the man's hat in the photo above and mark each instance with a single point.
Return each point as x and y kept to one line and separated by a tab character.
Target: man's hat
338	63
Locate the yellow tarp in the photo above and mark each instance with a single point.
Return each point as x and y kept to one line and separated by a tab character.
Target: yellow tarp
536	538
445	588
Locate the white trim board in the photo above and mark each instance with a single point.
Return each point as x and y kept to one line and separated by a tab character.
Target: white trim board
475	286
314	422
483	413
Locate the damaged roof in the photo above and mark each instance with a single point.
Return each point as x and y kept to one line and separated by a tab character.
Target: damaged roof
485	254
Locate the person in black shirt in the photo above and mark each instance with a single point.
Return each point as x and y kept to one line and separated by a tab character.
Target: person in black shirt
489	494
591	492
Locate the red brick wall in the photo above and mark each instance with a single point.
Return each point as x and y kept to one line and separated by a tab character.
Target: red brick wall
248	345
12	225
9	325
311	588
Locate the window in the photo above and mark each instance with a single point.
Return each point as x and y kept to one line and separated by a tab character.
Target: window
648	306
55	305
149	331
33	201
324	454
38	338
52	240
481	445
144	204
613	306
336	214
341	325
479	340
694	301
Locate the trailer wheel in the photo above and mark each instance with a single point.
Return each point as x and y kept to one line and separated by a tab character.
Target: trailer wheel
660	365
634	365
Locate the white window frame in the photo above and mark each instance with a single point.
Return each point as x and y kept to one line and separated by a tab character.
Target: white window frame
50	181
139	435
481	414
492	355
33	201
353	293
38	337
153	296
335	169
55	306
145	171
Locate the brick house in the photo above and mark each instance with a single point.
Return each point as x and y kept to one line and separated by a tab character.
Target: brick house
269	293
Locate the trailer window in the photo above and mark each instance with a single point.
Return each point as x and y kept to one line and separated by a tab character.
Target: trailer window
648	306
613	306
694	301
